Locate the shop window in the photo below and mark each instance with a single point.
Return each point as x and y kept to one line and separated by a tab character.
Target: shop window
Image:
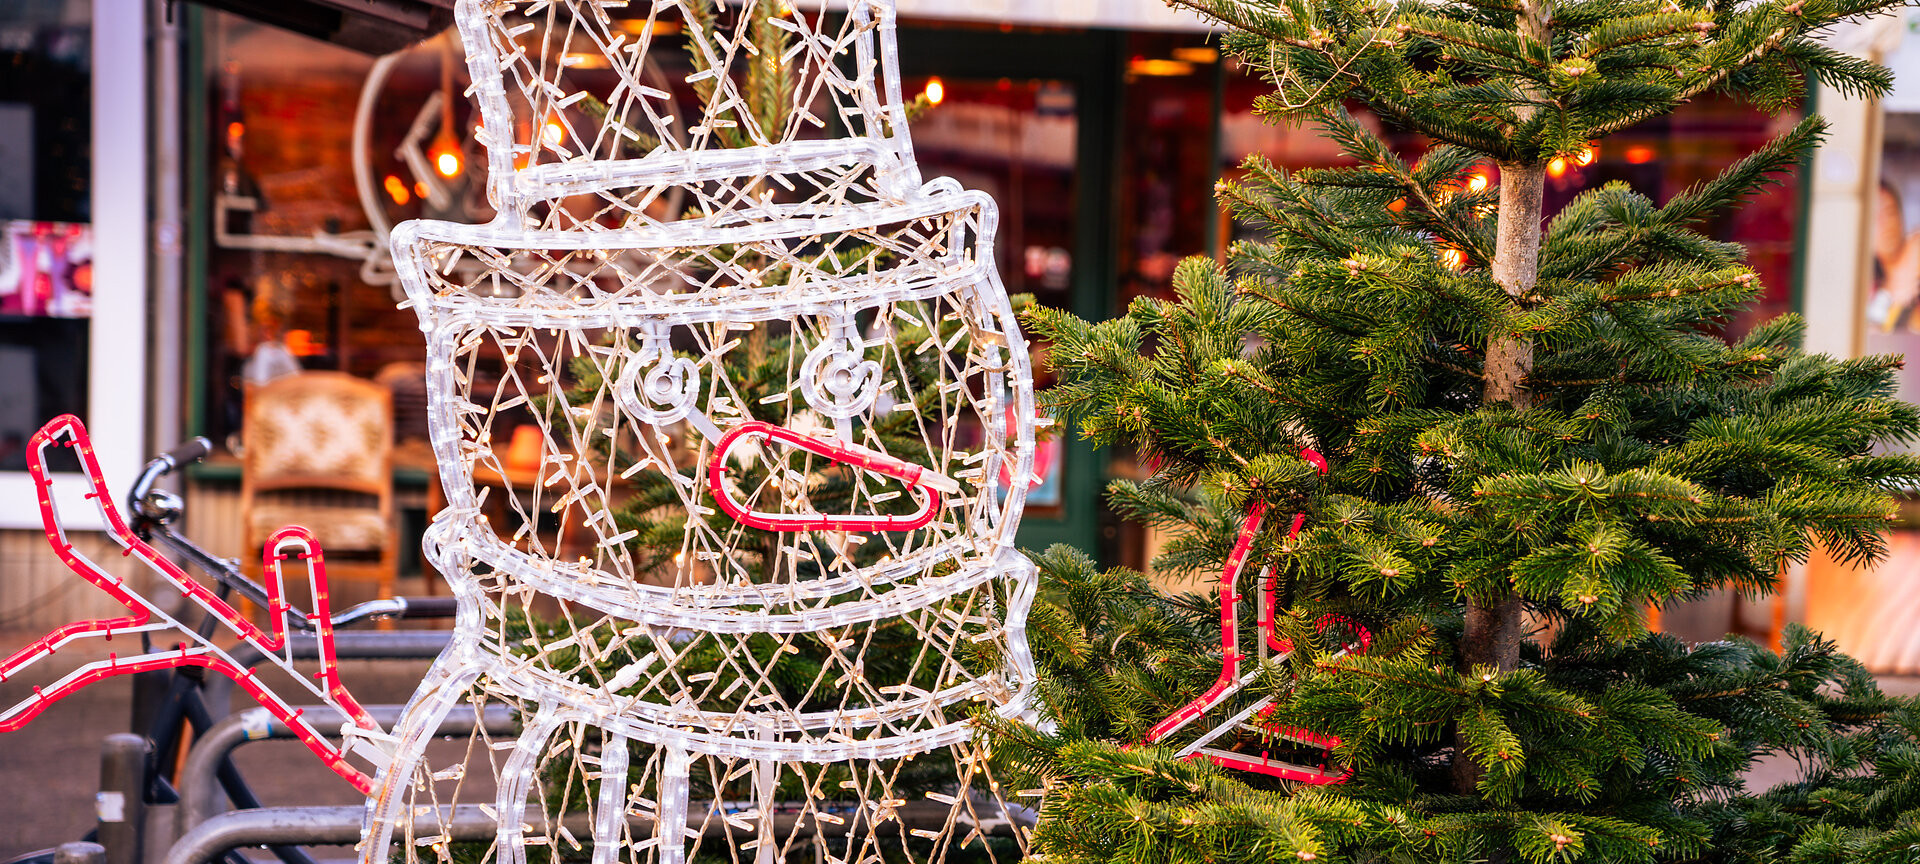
74	241
284	126
296	274
46	241
1174	150
1168	163
1017	141
1662	157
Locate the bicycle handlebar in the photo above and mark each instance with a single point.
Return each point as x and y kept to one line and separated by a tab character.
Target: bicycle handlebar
397	607
154	509
188	452
430	607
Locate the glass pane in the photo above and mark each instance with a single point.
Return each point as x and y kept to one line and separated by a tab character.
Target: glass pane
290	229
1167	167
46	247
1016	141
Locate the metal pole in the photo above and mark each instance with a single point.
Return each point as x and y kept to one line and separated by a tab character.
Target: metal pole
324	826
121	803
168	278
80	853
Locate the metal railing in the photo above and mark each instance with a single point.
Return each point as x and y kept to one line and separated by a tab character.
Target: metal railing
341	826
200	786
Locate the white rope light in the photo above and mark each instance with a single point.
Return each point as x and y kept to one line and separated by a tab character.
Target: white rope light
810	378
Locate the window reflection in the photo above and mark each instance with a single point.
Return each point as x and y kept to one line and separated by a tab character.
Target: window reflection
46	245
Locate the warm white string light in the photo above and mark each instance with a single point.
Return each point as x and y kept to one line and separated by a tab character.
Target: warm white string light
813	371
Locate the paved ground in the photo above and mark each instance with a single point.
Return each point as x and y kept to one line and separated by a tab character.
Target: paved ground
49	771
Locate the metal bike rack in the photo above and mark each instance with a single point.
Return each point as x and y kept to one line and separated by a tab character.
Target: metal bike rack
341	826
214	701
319	826
200	790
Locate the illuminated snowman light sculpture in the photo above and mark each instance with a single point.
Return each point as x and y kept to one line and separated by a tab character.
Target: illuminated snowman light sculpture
813	378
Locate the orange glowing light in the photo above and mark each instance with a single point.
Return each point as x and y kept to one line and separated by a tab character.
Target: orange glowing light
1453	259
420	189
1557	168
300	343
553	133
1477	183
1398	205
397	190
1159	68
1639	154
445	151
1587	156
936	91
236	130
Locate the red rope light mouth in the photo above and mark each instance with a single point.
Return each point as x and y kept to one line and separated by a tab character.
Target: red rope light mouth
930	485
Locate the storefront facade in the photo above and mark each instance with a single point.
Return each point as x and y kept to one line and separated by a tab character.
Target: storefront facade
270	169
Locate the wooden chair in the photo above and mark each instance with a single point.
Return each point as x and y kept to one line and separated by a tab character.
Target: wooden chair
318	453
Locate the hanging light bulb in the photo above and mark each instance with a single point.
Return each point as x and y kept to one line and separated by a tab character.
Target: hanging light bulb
446	160
445	152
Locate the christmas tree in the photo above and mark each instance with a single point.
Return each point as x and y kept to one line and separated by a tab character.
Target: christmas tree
1532	433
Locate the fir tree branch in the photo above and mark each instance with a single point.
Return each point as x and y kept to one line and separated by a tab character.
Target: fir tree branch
1484	40
1253	289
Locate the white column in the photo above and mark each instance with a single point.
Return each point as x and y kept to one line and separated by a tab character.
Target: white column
1839	224
117	393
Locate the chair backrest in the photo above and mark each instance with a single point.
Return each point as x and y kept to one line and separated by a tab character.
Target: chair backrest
595	113
318	430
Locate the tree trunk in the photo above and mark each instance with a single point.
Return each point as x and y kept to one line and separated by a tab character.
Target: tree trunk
1493	626
1492	637
1516	268
1493	631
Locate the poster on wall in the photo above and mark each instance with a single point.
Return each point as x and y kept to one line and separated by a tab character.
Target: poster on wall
1869	611
1892	324
46	299
46	269
1892	310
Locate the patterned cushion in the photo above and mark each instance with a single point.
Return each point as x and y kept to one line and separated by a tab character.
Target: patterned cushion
322	435
339	529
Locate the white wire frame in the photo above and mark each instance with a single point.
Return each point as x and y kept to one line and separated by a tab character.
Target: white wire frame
815	287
